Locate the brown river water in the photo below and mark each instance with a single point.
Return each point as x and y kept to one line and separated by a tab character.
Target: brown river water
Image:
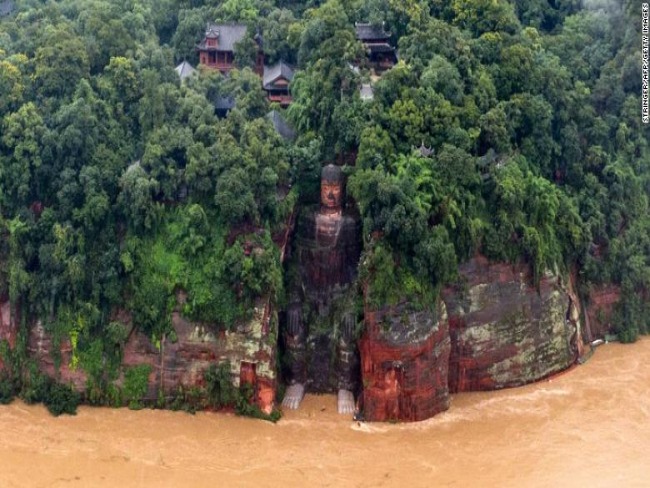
588	427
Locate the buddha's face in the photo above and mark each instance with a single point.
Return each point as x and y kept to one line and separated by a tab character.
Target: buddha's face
330	194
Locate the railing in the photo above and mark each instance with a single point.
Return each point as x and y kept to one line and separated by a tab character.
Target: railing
386	64
219	66
282	99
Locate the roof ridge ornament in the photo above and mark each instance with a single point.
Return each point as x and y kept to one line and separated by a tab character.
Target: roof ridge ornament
424	151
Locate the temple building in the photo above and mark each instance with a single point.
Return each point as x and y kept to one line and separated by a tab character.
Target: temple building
217	49
224	104
375	39
276	80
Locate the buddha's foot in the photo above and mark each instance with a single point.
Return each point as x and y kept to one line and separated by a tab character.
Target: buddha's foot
345	402
293	396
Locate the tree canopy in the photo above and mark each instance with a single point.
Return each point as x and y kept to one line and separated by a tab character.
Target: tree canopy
121	185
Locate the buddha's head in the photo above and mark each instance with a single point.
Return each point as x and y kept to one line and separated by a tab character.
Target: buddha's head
331	188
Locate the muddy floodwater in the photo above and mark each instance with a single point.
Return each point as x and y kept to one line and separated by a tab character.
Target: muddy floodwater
588	427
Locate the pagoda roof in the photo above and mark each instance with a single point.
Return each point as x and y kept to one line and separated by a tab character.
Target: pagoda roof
227	34
275	72
184	70
370	32
281	125
425	151
225	102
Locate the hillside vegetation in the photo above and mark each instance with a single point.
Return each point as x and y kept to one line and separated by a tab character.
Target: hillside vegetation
120	186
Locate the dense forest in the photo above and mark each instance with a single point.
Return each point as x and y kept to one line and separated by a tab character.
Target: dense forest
120	185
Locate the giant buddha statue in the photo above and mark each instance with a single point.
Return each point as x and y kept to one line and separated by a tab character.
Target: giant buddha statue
319	333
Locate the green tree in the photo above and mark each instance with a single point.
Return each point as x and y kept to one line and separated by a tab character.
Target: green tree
23	137
60	63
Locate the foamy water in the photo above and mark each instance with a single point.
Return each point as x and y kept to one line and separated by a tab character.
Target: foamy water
589	427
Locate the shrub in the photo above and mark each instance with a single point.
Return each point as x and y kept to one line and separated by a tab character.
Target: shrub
187	399
7	390
35	387
221	392
61	399
245	406
136	380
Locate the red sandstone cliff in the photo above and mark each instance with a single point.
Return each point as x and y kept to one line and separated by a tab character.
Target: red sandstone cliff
495	331
599	305
506	333
181	363
404	361
41	348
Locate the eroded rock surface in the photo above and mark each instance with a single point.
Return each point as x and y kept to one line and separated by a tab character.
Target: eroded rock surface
181	363
404	363
600	304
505	332
494	330
54	358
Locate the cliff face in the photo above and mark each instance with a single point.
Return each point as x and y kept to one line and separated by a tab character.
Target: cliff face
55	363
506	333
495	330
601	301
178	361
404	362
250	350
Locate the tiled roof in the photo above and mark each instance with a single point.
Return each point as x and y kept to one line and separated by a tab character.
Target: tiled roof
184	70
225	103
425	151
228	35
212	31
383	47
273	73
370	32
281	125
